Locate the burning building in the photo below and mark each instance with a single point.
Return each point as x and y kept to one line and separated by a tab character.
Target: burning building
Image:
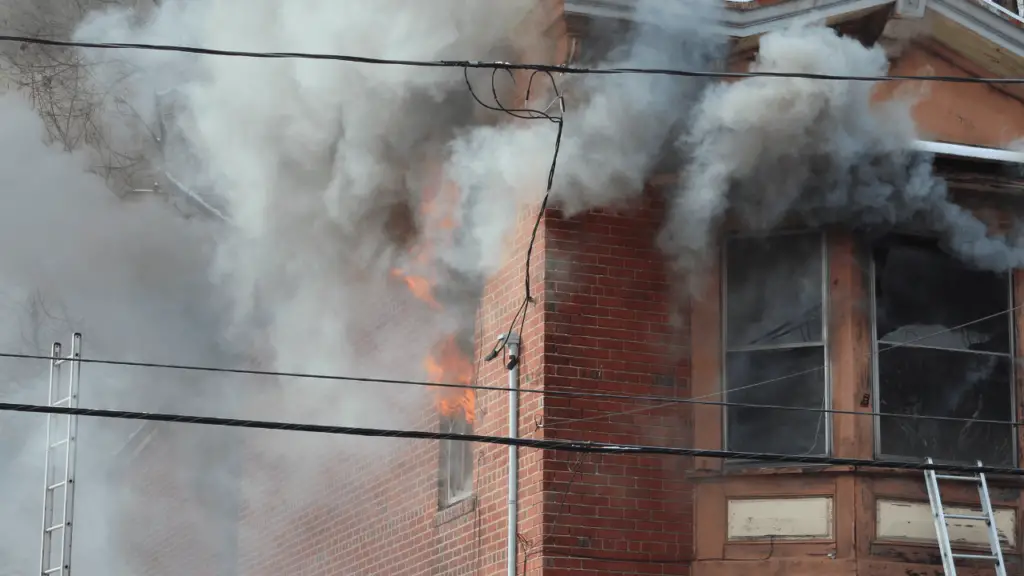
833	261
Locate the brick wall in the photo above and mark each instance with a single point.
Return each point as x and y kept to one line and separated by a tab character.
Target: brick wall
604	321
613	325
381	515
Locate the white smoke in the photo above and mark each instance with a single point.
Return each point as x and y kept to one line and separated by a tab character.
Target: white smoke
130	275
321	169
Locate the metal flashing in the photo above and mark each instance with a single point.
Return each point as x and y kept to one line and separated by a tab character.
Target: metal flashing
971	152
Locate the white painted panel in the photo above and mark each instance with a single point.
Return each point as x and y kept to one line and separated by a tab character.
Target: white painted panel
912	521
781	518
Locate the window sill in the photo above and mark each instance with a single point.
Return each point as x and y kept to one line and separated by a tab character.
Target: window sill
455	509
746	471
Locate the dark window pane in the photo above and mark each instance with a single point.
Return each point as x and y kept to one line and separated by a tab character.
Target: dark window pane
773	430
774	290
946	383
921	291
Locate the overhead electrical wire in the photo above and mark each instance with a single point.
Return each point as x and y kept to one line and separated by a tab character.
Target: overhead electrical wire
702	400
563	392
526	114
466	64
540	444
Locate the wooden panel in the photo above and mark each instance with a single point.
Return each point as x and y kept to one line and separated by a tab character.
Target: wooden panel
706	366
912	522
780	518
849	347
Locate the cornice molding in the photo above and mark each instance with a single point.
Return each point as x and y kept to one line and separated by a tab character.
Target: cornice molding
745	18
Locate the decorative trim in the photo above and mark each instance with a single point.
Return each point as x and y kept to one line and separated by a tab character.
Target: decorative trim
911	8
743	18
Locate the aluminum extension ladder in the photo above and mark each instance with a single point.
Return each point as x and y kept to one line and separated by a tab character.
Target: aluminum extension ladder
61	440
940	517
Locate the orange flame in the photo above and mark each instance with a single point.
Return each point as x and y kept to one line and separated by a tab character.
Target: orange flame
449	365
446	364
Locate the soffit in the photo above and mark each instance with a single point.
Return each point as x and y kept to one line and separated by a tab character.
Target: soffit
990	39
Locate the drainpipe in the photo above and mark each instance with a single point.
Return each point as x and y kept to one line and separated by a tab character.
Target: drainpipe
512	344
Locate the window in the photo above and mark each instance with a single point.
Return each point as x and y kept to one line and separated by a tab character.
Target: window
933	357
455	480
775	344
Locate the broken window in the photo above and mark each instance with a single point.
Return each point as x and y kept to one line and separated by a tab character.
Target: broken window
455	481
943	348
775	344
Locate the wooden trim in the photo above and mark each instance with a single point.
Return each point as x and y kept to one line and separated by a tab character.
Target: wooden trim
850	342
706	366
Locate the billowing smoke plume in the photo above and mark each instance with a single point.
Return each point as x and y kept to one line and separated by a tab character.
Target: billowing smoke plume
323	173
767	148
322	166
132	276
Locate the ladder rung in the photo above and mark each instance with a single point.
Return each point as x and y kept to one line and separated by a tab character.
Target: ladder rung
958	478
966	517
58	444
61	401
53	570
57	485
974	556
55	528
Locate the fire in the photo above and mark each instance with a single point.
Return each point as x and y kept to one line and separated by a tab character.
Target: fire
447	363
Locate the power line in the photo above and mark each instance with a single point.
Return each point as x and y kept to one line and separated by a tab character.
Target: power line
567	393
701	399
466	64
526	114
663	401
540	444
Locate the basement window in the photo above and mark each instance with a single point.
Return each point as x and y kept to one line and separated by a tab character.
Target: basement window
943	347
775	344
455	478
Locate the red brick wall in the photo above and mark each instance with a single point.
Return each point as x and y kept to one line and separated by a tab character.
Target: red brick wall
613	325
604	321
380	516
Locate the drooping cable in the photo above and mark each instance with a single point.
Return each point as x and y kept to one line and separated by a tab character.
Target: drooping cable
526	114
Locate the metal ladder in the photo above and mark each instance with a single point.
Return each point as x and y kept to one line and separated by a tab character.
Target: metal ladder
940	517
61	439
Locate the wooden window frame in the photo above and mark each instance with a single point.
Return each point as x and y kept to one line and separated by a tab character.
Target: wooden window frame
824	342
850	337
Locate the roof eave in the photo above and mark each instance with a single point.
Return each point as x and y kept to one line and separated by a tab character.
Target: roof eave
743	18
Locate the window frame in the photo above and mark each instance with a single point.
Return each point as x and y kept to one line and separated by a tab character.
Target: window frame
876	408
446	497
825	343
